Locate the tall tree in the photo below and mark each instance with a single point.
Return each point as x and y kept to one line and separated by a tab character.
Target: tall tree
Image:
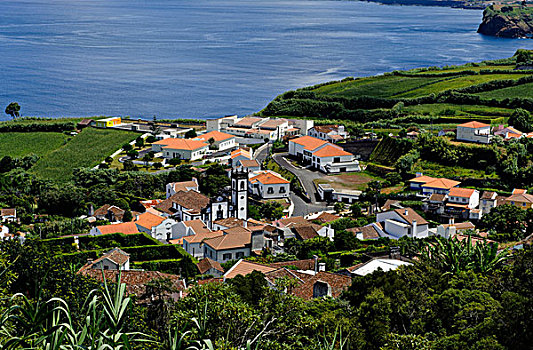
13	109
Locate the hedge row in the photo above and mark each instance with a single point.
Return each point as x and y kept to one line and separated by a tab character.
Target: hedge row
116	240
33	127
184	267
155	252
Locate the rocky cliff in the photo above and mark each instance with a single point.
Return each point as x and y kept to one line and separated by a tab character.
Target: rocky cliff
507	21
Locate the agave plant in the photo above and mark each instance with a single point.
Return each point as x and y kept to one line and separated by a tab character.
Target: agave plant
453	255
49	325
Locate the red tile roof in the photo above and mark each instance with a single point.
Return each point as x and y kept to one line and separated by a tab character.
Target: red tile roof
473	125
149	220
244	267
410	215
461	192
216	135
182	144
236	237
331	151
309	143
206	264
337	284
269	178
441	183
126	228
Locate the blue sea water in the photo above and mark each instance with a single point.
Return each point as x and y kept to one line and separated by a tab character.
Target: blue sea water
204	58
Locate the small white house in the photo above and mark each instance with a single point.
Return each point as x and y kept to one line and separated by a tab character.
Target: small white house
267	184
156	226
115	259
234	244
330	133
474	132
464	196
403	222
174	187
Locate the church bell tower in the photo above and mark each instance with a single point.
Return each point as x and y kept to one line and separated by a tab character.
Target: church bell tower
239	193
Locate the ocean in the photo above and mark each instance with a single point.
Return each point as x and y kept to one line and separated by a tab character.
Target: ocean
207	58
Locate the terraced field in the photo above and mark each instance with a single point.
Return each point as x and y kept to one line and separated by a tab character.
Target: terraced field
87	149
524	91
20	144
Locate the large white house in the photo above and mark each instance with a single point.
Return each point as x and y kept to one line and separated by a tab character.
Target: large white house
235	243
322	155
267	184
180	148
174	187
220	140
474	132
402	222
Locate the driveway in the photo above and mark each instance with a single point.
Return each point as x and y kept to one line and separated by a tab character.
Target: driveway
302	208
261	153
306	176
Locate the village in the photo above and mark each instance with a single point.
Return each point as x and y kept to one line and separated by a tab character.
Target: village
224	240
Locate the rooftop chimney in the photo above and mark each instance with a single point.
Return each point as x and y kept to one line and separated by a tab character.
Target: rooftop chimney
406	212
321	267
451	221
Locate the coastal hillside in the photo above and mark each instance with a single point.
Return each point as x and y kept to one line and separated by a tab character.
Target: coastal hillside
507	21
488	91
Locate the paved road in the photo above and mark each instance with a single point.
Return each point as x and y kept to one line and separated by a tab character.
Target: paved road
261	153
306	176
302	208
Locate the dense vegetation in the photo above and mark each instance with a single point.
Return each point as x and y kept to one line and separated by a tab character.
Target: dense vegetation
447	95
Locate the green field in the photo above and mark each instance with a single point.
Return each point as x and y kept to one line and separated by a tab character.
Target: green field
439	170
524	91
392	86
461	93
460	110
87	149
20	144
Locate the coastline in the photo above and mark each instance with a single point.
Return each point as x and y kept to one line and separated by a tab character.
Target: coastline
439	3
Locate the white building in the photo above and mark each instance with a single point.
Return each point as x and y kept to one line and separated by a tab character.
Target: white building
220	124
221	141
267	184
330	133
174	187
474	132
180	148
403	222
322	155
329	193
468	197
193	244
489	200
156	226
115	259
234	244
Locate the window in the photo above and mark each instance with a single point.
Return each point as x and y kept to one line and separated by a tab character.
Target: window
336	160
270	190
242	185
282	190
239	255
226	256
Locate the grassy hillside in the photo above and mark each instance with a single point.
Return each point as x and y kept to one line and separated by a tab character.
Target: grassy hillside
84	150
19	144
488	91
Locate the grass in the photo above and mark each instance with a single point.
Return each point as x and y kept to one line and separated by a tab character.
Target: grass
457	83
438	170
472	68
86	149
20	144
349	181
392	86
461	110
523	91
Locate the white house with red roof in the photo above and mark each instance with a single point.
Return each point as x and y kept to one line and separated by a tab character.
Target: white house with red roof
187	149
402	222
438	186
221	141
474	132
156	226
468	197
331	133
267	184
322	155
